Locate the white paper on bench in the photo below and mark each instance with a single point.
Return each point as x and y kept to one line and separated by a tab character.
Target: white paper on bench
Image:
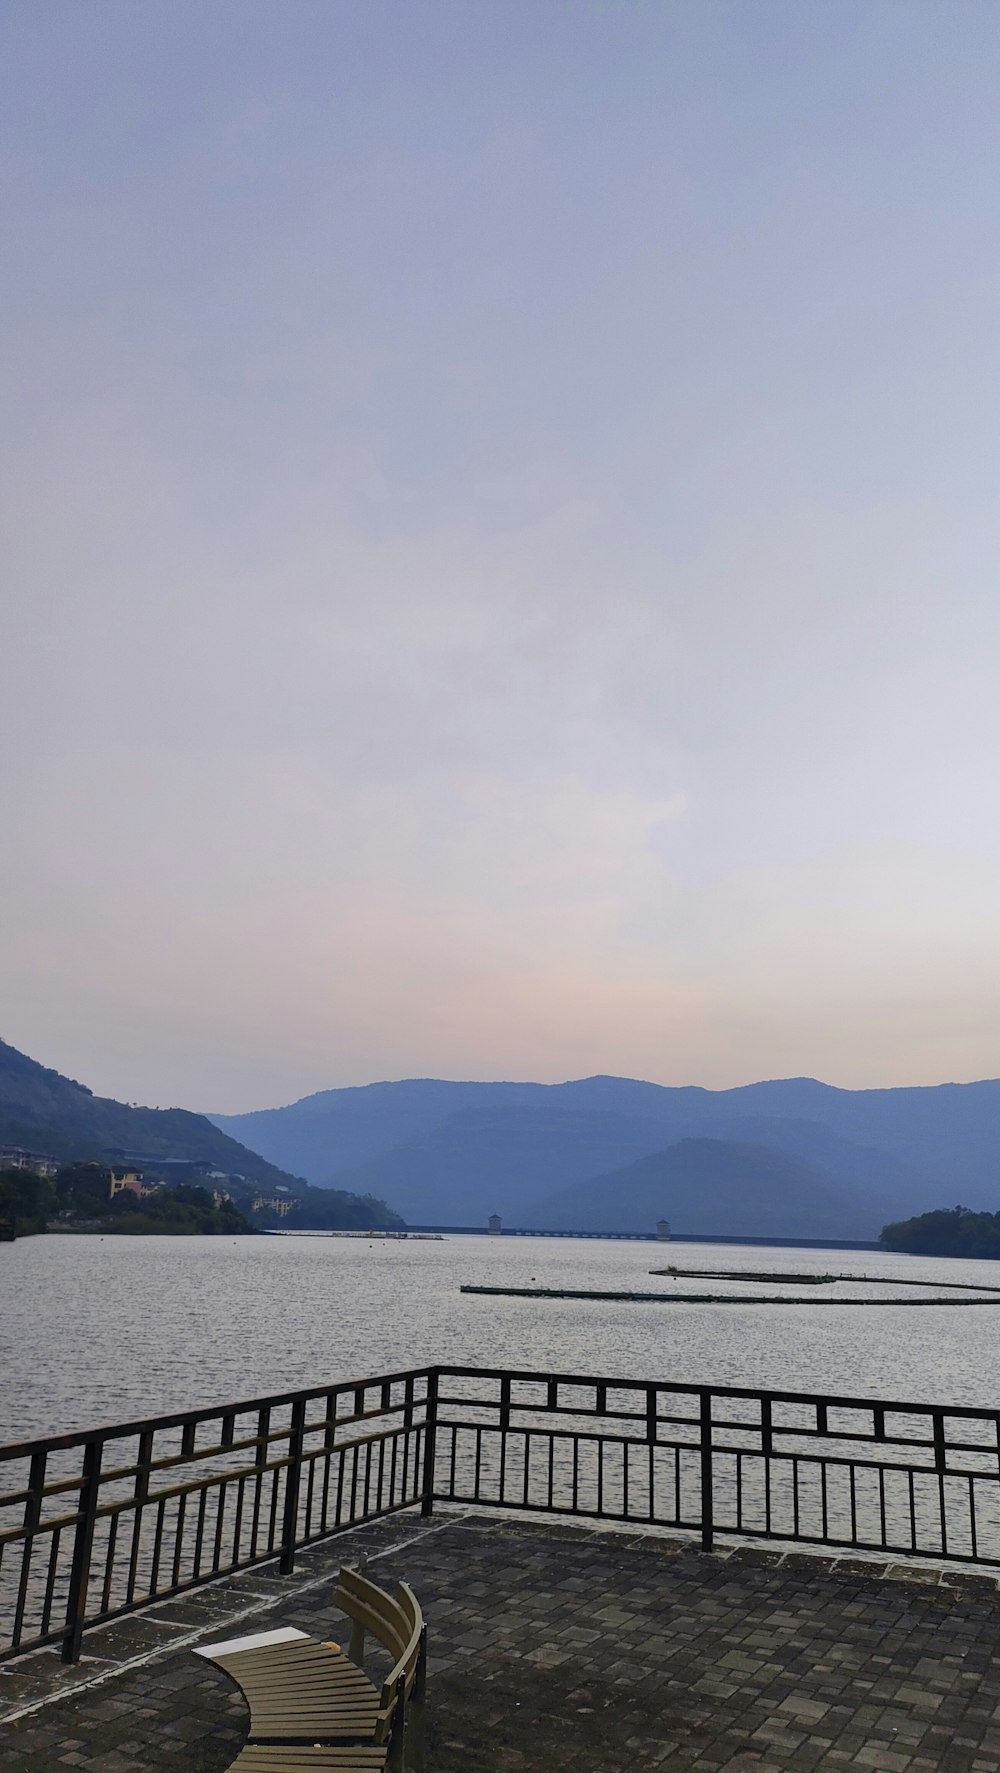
283	1636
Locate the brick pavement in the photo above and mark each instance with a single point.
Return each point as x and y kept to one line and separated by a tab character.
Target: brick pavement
565	1648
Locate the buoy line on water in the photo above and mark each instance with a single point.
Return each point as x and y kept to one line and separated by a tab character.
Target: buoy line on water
854	1280
710	1298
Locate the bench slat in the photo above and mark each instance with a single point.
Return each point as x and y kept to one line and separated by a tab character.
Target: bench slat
307	1710
282	1679
255	1759
392	1629
274	1657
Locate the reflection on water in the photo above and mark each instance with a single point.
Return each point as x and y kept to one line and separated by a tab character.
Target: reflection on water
106	1329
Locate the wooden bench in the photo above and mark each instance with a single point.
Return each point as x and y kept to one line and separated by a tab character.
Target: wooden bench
313	1708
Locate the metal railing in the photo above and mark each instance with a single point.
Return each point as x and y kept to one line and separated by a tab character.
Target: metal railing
904	1479
98	1524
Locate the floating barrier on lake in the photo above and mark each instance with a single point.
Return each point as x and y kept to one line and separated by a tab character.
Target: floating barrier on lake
709	1298
854	1280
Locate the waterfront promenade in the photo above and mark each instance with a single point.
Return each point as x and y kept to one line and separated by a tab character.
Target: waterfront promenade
558	1647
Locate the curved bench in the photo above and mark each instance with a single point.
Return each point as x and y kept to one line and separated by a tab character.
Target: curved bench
312	1707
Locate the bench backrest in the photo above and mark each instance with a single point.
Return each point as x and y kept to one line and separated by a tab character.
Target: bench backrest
395	1620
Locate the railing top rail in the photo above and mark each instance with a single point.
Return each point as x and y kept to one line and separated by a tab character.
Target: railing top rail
206	1413
695	1389
274	1400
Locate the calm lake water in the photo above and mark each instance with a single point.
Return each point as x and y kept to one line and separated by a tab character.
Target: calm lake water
98	1330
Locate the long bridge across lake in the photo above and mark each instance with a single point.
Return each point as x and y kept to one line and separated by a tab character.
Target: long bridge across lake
653	1237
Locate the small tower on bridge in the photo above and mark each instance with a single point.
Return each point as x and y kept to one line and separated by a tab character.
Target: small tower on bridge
495	1224
663	1231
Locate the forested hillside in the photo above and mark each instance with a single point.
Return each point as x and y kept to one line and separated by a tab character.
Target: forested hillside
43	1111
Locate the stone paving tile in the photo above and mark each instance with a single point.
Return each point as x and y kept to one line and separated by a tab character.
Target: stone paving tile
558	1648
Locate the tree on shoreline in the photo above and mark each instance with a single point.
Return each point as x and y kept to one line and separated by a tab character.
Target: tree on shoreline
26	1200
949	1231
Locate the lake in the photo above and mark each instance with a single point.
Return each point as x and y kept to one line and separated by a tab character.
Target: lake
96	1330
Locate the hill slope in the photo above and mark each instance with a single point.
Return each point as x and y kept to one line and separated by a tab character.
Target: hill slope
498	1160
889	1184
330	1135
46	1112
718	1187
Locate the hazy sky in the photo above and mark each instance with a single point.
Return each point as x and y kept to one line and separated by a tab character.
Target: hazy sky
501	515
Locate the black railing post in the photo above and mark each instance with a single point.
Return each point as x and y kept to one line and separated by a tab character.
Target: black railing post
79	1578
707	1499
430	1444
32	1517
503	1422
940	1450
293	1475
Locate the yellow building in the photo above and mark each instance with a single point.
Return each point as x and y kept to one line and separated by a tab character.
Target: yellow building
125	1179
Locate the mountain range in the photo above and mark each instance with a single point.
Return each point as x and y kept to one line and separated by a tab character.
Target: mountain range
787	1158
790	1157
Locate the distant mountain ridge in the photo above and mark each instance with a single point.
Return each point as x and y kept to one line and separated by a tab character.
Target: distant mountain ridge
449	1152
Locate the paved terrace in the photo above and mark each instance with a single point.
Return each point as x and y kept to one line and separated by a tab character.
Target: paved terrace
558	1648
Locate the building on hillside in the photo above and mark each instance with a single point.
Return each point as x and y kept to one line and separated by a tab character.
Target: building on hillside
221	1197
14	1157
126	1179
281	1204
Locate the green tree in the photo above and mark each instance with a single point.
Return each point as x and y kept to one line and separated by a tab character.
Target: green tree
82	1190
26	1200
184	1208
948	1231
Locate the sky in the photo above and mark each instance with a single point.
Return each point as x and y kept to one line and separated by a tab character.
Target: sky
500	542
